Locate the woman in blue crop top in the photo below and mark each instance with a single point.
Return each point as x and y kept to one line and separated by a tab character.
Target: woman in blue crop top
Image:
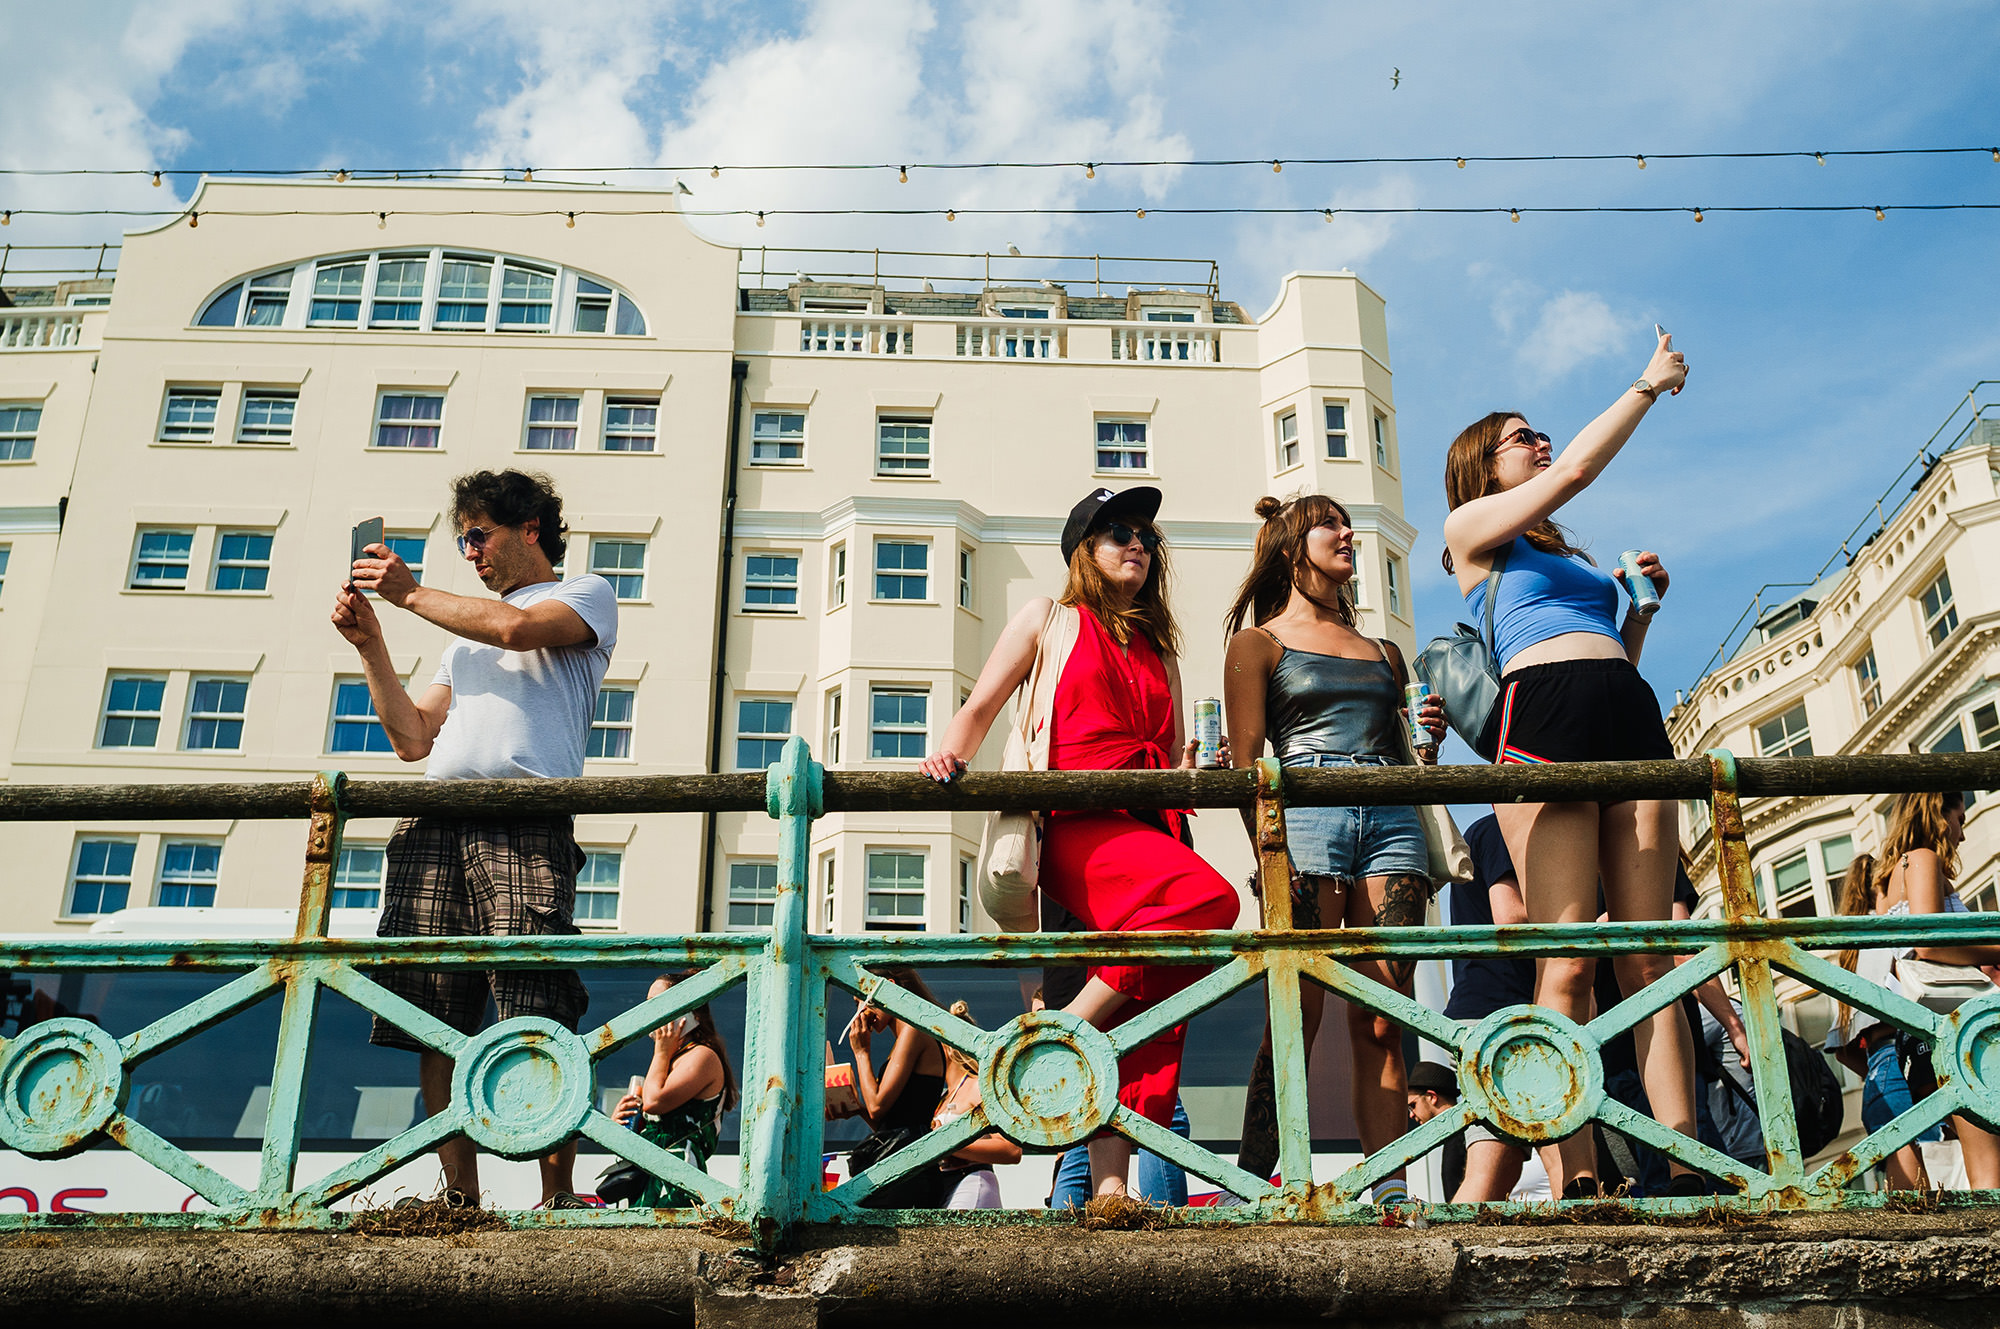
1571	691
1324	695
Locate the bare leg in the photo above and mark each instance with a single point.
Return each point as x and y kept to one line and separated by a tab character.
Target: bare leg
1637	843
1258	1152
1381	1082
1110	1155
1097	1003
1492	1170
1982	1155
558	1171
1906	1170
458	1156
1554	848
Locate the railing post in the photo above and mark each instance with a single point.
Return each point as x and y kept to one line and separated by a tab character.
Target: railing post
772	1194
302	984
1281	979
1769	1070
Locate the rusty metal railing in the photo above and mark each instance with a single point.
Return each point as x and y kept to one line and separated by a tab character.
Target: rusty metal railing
1049	1081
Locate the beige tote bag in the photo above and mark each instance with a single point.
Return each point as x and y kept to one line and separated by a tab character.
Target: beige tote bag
1010	854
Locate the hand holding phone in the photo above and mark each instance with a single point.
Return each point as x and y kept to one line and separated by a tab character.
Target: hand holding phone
365	533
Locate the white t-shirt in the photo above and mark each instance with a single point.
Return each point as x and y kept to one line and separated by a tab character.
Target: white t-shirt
522	714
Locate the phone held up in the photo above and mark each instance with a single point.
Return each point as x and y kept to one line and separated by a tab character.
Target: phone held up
365	533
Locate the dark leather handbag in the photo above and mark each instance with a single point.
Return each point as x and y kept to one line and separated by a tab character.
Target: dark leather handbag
925	1188
1462	670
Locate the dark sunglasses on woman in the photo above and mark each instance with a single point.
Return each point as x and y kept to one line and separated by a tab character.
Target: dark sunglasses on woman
1525	436
1121	534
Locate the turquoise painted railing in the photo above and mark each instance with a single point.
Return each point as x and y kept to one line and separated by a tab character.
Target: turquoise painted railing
522	1087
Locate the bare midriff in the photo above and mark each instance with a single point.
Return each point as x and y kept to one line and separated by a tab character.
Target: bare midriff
1568	646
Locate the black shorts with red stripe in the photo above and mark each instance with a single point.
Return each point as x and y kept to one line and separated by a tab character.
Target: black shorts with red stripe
1576	710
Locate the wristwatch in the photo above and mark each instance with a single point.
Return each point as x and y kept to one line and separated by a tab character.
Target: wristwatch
1646	390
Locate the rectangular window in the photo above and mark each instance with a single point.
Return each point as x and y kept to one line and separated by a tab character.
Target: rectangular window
631	424
1393	583
242	562
408	419
1121	445
833	726
1288	440
356	728
357	877
463	288
753	895
903	445
598	887
761	730
190	415
132	711
409	548
102	880
1791	887
611	725
1835	854
1986	726
778	438
188	871
1940	614
593	310
1382	442
6	555
828	875
1169	316
1336	431
895	891
268	416
552	423
965	578
527	295
623	564
964	894
902	570
836	593
399	293
1868	682
771	583
1785	736
18	423
215	714
269	294
336	296
160	560
898	723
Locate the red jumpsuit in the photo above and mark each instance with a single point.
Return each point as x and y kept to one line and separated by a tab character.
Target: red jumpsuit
1113	710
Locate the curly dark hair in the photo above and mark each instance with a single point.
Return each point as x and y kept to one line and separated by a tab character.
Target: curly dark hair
513	498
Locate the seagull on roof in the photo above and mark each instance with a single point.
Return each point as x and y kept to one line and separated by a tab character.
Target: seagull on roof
1395	79
1015	250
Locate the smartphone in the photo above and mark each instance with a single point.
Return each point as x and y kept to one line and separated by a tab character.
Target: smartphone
1659	331
365	533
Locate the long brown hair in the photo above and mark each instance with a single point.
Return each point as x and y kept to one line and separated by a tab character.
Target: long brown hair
705	1034
1279	566
1468	474
1148	613
1857	896
1917	821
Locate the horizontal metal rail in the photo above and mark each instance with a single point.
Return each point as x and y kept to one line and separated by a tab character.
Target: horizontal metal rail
1048	1081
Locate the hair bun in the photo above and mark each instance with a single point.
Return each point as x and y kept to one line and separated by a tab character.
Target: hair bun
961	1010
1268	507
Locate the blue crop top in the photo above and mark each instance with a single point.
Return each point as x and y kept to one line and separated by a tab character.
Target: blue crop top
1544	595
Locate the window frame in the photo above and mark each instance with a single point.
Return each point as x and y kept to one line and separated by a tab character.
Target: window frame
628	431
1289	453
766	735
12	439
139	534
136	715
412	423
966	867
901	574
192	430
885	421
618	575
130	843
1328	405
193	716
967	577
1392	584
1782	899
380	879
613	727
828	877
730	899
834	715
1100	446
772	584
593	860
376	301
1385	453
554	427
1792	741
1946	614
900	728
191	883
219	563
6	557
267	435
334	720
779	440
836	581
1867	675
872	922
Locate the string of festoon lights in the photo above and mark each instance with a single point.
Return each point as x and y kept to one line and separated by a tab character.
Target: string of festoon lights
1699	212
526	174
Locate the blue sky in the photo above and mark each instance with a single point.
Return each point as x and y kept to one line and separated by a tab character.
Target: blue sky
1824	348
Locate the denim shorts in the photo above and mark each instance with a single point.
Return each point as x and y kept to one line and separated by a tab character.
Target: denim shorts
1885	1094
1351	843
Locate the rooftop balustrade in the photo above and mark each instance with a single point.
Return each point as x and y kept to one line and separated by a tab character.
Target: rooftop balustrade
1048	1081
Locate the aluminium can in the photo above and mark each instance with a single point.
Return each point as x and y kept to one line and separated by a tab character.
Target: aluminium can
1414	696
1645	598
1208	733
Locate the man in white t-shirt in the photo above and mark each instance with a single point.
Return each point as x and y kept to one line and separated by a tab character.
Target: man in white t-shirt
512	699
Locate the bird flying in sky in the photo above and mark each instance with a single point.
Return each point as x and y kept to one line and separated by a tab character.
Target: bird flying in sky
1395	79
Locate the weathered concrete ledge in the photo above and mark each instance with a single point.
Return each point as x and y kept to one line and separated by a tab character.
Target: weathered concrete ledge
1815	1272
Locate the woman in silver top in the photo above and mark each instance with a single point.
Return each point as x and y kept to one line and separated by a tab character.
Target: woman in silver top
1305	678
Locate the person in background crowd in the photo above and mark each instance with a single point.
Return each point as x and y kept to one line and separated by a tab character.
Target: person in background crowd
1919	861
1433	1088
1733	1111
970	1170
1326	696
1481	985
906	1093
688	1088
1117	707
1571	691
512	700
1873	1050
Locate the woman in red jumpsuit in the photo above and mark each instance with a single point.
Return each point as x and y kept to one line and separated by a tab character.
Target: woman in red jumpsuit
1117	706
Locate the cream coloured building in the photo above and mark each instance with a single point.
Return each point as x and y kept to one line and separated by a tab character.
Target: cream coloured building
179	471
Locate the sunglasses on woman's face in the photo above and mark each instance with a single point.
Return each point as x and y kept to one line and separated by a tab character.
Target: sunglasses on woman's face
1122	535
1525	436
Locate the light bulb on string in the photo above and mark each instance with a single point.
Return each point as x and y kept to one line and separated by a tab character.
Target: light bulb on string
715	172
527	175
340	176
571	223
1276	167
1879	214
381	221
1642	161
1697	214
1513	214
903	174
7	217
951	214
1142	214
1996	154
156	179
1329	216
1090	168
1820	157
194	220
1461	163
760	219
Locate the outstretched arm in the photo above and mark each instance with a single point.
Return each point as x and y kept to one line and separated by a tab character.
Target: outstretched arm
412	724
1013	656
545	623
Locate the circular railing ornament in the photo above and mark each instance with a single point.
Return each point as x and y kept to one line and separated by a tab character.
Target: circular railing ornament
522	1087
61	1082
1967	1050
1054	1082
1534	1074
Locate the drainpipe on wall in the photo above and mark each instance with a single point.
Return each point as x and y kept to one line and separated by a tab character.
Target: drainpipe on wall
737	371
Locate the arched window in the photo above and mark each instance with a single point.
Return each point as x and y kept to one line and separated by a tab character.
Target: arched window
426	290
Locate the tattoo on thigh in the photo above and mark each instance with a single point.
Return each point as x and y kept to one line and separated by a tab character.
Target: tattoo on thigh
1259	1149
1305	903
1404	897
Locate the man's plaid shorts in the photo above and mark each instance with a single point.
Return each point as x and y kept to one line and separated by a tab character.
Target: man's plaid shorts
474	879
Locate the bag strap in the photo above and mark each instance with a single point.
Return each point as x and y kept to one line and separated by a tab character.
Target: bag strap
1026	707
1493	590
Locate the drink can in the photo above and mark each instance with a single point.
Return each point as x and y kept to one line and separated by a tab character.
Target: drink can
1208	733
637	1085
1414	696
1645	599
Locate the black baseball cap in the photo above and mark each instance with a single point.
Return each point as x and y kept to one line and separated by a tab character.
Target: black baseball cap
1102	507
1435	1076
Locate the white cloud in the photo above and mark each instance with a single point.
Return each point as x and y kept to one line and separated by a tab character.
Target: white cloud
1269	247
1574	327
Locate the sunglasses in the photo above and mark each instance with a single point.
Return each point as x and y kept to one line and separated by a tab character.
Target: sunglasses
1121	534
476	538
1525	436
